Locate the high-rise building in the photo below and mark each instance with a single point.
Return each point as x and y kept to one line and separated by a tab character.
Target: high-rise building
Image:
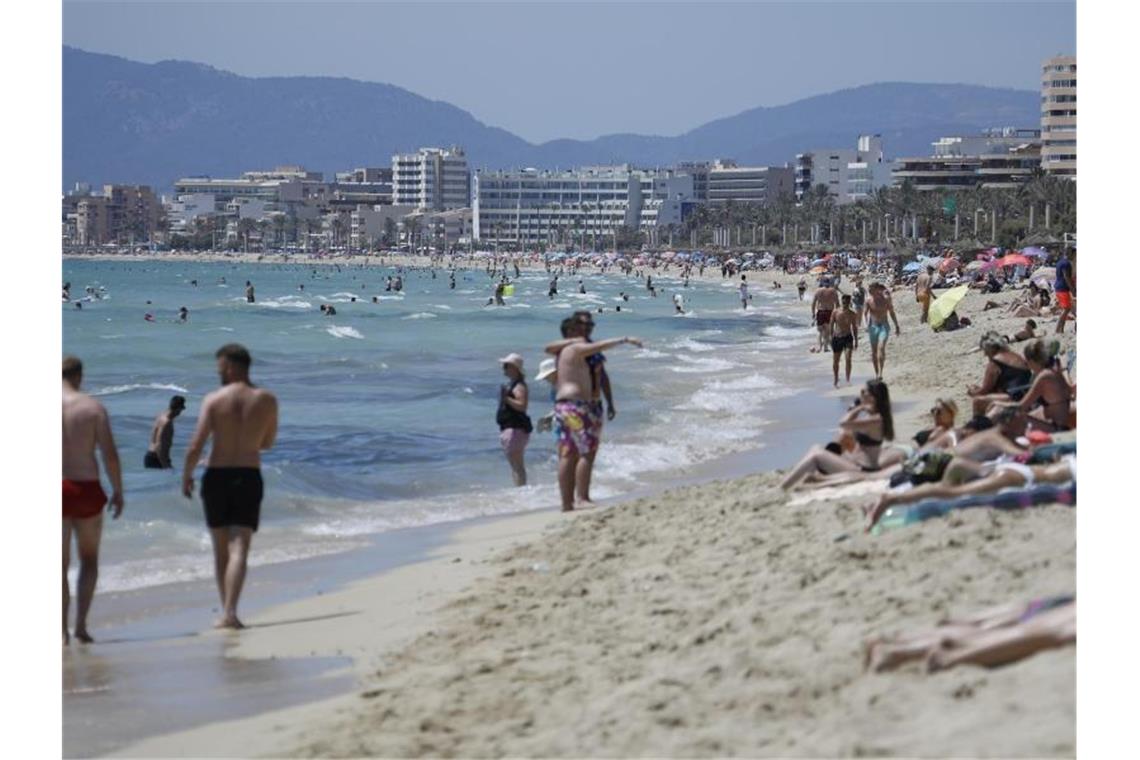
432	179
1059	116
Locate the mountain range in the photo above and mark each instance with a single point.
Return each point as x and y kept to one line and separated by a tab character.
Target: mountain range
138	123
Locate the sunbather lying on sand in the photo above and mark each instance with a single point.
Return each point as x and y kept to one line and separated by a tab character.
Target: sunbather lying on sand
963	477
995	637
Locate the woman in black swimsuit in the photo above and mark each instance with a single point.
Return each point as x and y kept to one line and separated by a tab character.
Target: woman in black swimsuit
1007	375
869	422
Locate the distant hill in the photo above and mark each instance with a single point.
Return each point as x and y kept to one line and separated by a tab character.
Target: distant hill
131	122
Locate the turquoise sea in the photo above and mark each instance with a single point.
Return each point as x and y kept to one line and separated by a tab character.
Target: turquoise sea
387	410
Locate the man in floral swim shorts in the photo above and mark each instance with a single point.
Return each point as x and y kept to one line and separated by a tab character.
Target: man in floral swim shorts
579	427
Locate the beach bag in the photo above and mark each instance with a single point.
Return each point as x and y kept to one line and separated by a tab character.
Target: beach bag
927	467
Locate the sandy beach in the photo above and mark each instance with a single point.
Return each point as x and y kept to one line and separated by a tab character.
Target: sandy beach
722	619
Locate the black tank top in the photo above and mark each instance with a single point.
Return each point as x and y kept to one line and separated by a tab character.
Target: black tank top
509	417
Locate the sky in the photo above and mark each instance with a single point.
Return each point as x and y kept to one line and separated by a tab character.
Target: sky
545	70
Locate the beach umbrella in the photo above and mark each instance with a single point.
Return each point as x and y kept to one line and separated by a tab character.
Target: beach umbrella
1013	260
1034	251
942	306
913	266
817	270
947	265
973	266
1044	276
668	255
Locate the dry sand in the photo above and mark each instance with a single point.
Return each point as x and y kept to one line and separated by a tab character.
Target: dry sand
722	619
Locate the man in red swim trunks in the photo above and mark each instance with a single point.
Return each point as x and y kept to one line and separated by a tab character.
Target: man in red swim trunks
85	428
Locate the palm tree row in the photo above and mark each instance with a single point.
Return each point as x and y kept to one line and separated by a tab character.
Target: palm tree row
1043	208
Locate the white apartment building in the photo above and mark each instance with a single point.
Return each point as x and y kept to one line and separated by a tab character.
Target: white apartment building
431	179
849	174
585	205
1059	116
748	184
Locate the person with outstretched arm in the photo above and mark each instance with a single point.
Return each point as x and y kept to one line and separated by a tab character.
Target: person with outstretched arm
572	408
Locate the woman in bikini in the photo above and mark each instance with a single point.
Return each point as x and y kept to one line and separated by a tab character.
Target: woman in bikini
1007	376
869	422
1049	391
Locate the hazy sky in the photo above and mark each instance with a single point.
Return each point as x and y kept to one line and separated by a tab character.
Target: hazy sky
545	70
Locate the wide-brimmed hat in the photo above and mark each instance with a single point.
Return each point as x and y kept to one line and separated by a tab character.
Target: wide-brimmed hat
514	359
547	368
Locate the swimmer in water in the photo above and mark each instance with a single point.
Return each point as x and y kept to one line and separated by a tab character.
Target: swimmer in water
183	314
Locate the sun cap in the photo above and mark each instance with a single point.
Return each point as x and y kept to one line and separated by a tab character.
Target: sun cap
547	368
514	359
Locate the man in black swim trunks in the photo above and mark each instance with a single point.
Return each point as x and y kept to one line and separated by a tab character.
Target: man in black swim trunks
242	420
844	326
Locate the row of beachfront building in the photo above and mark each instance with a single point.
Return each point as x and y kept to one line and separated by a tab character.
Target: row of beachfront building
433	193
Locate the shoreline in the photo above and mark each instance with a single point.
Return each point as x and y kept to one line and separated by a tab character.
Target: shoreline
437	609
283	592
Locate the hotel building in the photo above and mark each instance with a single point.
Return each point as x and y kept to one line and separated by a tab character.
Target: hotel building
849	174
121	214
748	184
1002	158
529	206
1059	116
432	179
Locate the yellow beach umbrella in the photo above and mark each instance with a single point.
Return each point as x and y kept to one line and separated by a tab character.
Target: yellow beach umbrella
946	303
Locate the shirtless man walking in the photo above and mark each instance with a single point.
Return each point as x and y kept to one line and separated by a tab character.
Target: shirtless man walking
576	418
86	427
242	419
878	309
844	328
924	292
823	303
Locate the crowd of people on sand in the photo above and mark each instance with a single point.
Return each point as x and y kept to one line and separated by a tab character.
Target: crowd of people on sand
1016	449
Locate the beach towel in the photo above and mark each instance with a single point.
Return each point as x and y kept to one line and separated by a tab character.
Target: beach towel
1007	499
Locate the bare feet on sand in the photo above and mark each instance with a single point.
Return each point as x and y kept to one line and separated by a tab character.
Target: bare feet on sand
83	637
229	623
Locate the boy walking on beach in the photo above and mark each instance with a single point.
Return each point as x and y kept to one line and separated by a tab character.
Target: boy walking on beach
86	427
878	309
242	420
578	422
844	337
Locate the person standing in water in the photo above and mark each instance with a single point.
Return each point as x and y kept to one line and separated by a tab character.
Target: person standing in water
241	419
743	292
162	436
578	424
86	427
249	292
514	425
